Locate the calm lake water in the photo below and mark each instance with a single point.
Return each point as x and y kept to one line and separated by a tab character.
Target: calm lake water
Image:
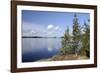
34	49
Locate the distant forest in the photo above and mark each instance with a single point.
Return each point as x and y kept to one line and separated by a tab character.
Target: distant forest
39	37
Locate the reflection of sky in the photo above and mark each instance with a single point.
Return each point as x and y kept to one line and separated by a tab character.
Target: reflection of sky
49	44
43	23
34	49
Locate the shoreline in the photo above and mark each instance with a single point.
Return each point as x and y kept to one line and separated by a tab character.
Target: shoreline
65	57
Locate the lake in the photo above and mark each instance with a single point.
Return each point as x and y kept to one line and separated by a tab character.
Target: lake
35	49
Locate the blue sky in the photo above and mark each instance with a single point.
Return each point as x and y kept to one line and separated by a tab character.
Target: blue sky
49	24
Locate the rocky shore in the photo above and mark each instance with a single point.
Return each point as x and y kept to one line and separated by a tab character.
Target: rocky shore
65	57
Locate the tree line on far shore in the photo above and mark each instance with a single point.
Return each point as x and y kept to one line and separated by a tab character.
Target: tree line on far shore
78	42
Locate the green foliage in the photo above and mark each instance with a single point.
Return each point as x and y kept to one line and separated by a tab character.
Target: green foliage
66	46
76	34
86	39
71	44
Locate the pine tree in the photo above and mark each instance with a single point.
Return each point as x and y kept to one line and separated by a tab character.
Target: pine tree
86	38
76	34
66	47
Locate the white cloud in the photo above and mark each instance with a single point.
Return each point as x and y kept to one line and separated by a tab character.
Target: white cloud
33	32
50	27
30	29
52	30
57	28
